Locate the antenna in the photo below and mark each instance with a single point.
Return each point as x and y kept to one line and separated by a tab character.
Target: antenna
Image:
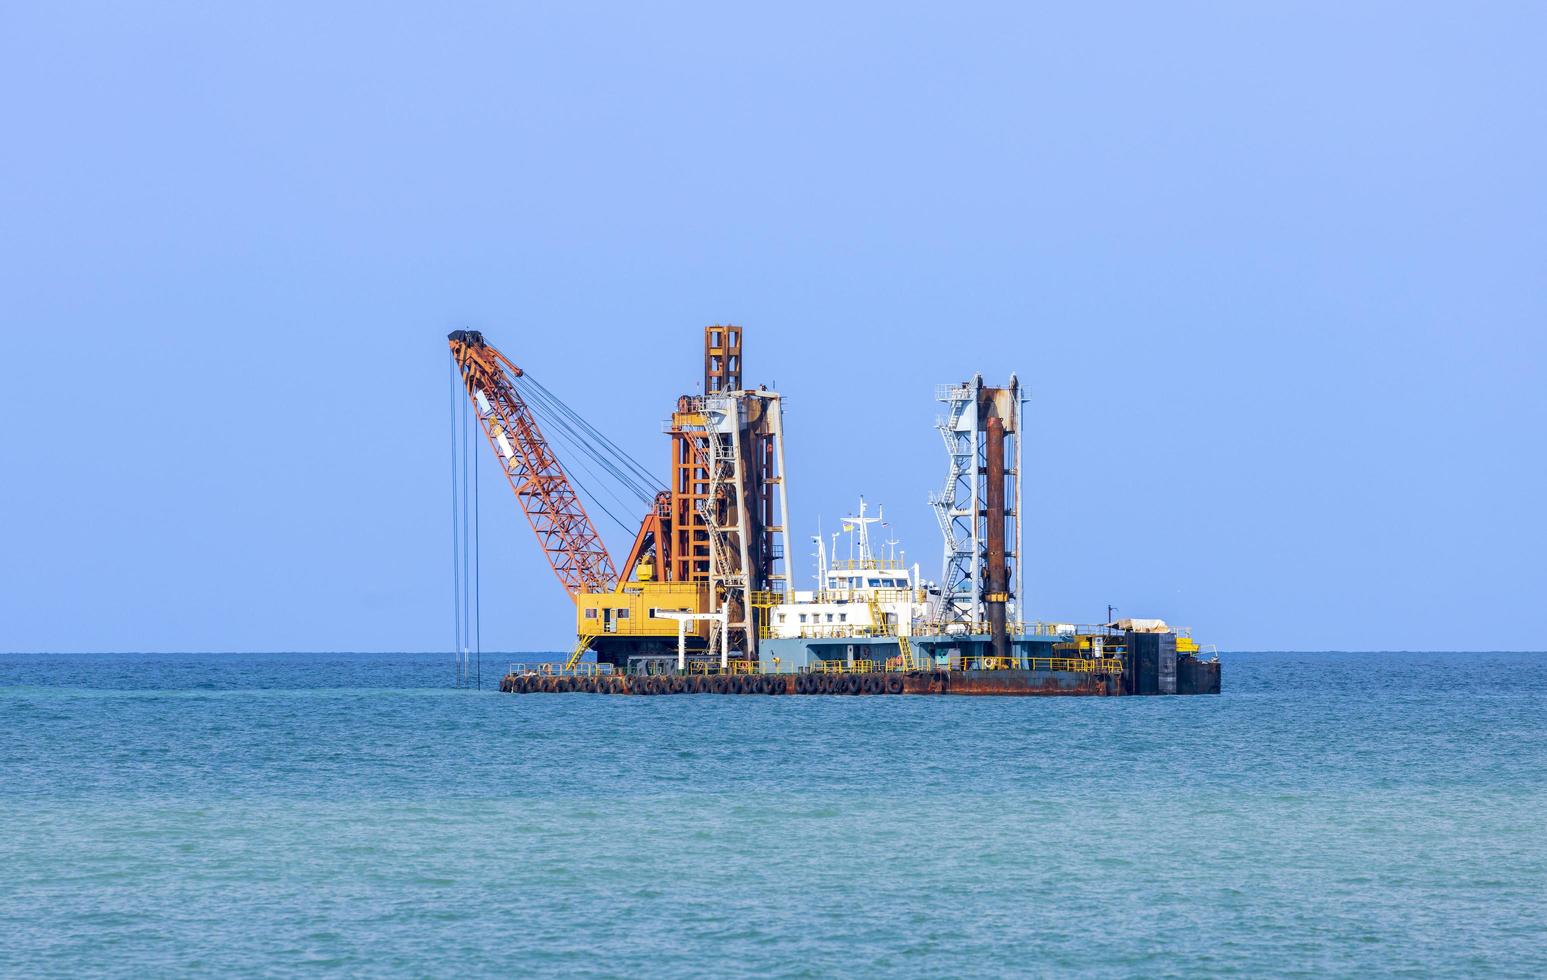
821	558
862	525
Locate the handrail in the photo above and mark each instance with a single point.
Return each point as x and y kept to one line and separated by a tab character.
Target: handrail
866	565
1108	665
843	667
860	595
554	668
1038	628
846	631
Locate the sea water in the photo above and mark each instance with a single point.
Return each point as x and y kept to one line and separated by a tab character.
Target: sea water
306	813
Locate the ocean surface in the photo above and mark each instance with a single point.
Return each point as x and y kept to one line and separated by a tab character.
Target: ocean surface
1353	814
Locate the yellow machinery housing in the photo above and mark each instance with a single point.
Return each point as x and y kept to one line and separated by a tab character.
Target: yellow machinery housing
629	611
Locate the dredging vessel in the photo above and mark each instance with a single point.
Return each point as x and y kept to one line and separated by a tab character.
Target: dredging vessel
704	601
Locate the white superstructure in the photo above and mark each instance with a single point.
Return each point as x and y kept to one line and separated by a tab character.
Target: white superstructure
862	595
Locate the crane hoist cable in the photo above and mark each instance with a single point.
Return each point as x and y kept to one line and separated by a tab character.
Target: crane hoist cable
594	486
477	576
587	491
586	455
466	550
586	447
588	439
640	471
456	549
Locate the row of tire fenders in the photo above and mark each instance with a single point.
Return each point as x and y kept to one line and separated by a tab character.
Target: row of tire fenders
651	684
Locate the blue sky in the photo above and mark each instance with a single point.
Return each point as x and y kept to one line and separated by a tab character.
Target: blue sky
1274	274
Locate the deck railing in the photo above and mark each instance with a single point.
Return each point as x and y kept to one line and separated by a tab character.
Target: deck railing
1108	665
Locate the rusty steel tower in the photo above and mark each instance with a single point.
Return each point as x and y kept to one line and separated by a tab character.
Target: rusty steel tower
727	496
709	550
979	507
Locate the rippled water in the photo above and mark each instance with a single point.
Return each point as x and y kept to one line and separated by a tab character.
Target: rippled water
1345	813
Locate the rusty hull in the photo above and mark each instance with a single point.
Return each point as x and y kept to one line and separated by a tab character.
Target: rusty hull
1012	683
991	683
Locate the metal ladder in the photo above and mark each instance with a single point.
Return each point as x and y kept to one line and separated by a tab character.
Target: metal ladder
944	502
878	617
962	457
721	465
581	647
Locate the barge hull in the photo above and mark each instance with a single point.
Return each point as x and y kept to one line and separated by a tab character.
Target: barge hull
1000	683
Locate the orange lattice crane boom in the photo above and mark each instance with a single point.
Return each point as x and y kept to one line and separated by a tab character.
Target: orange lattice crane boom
547	497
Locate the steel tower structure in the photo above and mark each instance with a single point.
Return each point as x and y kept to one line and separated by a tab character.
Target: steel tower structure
728	496
710	550
961	505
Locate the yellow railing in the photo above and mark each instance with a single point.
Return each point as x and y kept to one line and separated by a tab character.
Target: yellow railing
842	667
763	600
840	631
867	594
814	631
556	669
732	667
1106	665
1016	629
